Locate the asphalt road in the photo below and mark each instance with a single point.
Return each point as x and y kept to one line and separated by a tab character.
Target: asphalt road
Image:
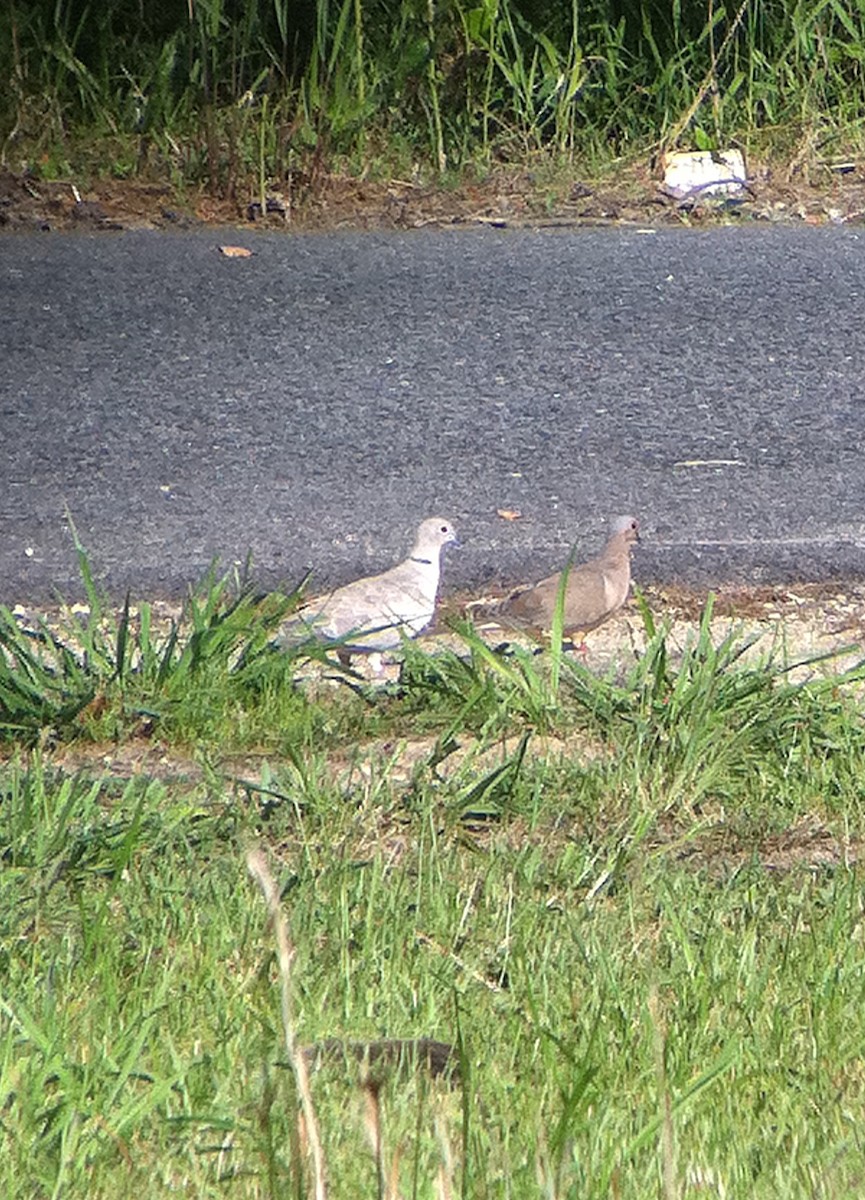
312	403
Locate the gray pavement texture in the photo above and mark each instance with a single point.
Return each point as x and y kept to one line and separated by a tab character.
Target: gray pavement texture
310	404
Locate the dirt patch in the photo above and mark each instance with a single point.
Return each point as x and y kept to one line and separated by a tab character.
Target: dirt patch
507	196
808	845
838	607
397	760
842	604
379	825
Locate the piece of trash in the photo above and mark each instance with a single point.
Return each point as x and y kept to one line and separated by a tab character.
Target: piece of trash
272	204
710	462
509	514
235	251
693	174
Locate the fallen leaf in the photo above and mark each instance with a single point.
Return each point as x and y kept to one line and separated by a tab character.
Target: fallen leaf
235	251
508	514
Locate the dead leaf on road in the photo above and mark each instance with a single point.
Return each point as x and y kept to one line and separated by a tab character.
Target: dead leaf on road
508	514
235	251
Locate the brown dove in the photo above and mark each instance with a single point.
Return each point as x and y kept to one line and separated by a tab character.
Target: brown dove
373	614
595	589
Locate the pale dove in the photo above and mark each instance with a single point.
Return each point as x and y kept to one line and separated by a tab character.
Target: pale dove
374	613
594	591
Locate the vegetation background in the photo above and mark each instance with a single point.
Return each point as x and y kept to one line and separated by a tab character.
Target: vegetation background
238	93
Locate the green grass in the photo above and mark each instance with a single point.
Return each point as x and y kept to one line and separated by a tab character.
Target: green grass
141	1031
254	98
630	903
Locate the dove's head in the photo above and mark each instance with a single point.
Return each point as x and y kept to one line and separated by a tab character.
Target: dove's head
627	528
433	534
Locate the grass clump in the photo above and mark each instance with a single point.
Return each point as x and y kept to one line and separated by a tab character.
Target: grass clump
625	910
622	1014
110	675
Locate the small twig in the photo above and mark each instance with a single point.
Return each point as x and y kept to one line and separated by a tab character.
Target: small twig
445	1173
260	871
668	1140
425	940
372	1127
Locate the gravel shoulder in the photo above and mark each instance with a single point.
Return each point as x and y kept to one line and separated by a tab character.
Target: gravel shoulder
524	195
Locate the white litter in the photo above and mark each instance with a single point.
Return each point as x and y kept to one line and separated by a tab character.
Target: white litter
694	174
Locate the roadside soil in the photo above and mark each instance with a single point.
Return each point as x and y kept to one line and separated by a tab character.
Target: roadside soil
508	196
